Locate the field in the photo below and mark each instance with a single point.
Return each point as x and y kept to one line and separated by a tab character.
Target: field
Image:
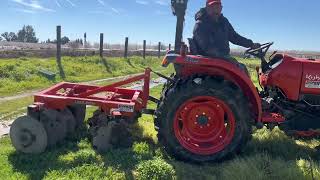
270	155
22	74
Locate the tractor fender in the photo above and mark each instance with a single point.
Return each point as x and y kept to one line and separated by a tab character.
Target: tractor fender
191	65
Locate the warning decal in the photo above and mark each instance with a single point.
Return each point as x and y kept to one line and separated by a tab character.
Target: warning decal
126	108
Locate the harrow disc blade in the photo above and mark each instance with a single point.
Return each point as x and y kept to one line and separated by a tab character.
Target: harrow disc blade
28	135
66	117
134	118
56	129
121	136
79	113
102	140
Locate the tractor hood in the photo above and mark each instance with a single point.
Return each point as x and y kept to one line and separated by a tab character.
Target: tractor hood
293	76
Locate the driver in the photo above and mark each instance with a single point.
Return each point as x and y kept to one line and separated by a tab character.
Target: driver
213	32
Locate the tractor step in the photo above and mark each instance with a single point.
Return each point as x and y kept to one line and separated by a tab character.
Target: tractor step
148	111
153	99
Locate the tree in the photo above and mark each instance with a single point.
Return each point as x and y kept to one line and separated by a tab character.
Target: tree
79	41
27	34
0	38
5	35
9	36
74	44
13	36
52	42
65	40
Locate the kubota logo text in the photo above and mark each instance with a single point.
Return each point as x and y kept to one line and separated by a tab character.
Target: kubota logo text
310	77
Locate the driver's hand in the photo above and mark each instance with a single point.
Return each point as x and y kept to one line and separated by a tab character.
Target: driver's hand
256	45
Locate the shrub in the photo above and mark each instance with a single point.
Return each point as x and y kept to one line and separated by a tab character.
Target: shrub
155	169
142	150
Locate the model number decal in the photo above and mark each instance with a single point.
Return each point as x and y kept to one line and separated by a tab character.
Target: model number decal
192	60
312	84
85	102
312	81
126	108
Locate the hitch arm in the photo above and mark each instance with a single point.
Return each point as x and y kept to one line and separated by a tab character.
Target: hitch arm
164	77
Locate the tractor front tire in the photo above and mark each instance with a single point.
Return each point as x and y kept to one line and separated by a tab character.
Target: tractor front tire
203	119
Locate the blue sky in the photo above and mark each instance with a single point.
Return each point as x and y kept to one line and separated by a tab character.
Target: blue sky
291	24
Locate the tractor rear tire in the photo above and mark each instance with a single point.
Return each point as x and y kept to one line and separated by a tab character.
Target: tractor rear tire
166	87
203	119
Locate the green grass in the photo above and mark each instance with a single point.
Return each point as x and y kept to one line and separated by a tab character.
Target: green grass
270	155
9	109
251	65
12	105
20	75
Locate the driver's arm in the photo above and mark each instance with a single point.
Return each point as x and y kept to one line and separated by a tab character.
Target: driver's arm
237	39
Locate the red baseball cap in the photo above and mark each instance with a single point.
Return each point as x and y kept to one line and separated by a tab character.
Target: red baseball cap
213	2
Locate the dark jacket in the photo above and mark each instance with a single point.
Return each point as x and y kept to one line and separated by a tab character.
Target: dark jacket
212	38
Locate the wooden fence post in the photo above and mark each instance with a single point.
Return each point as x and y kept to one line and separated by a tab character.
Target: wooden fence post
159	49
85	40
126	48
101	45
144	48
59	53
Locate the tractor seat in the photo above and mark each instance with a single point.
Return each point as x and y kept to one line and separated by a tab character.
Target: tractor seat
194	50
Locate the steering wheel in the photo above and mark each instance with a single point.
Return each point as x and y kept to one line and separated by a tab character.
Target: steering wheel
261	51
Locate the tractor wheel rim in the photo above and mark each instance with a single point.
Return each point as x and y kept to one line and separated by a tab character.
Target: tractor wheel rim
204	125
